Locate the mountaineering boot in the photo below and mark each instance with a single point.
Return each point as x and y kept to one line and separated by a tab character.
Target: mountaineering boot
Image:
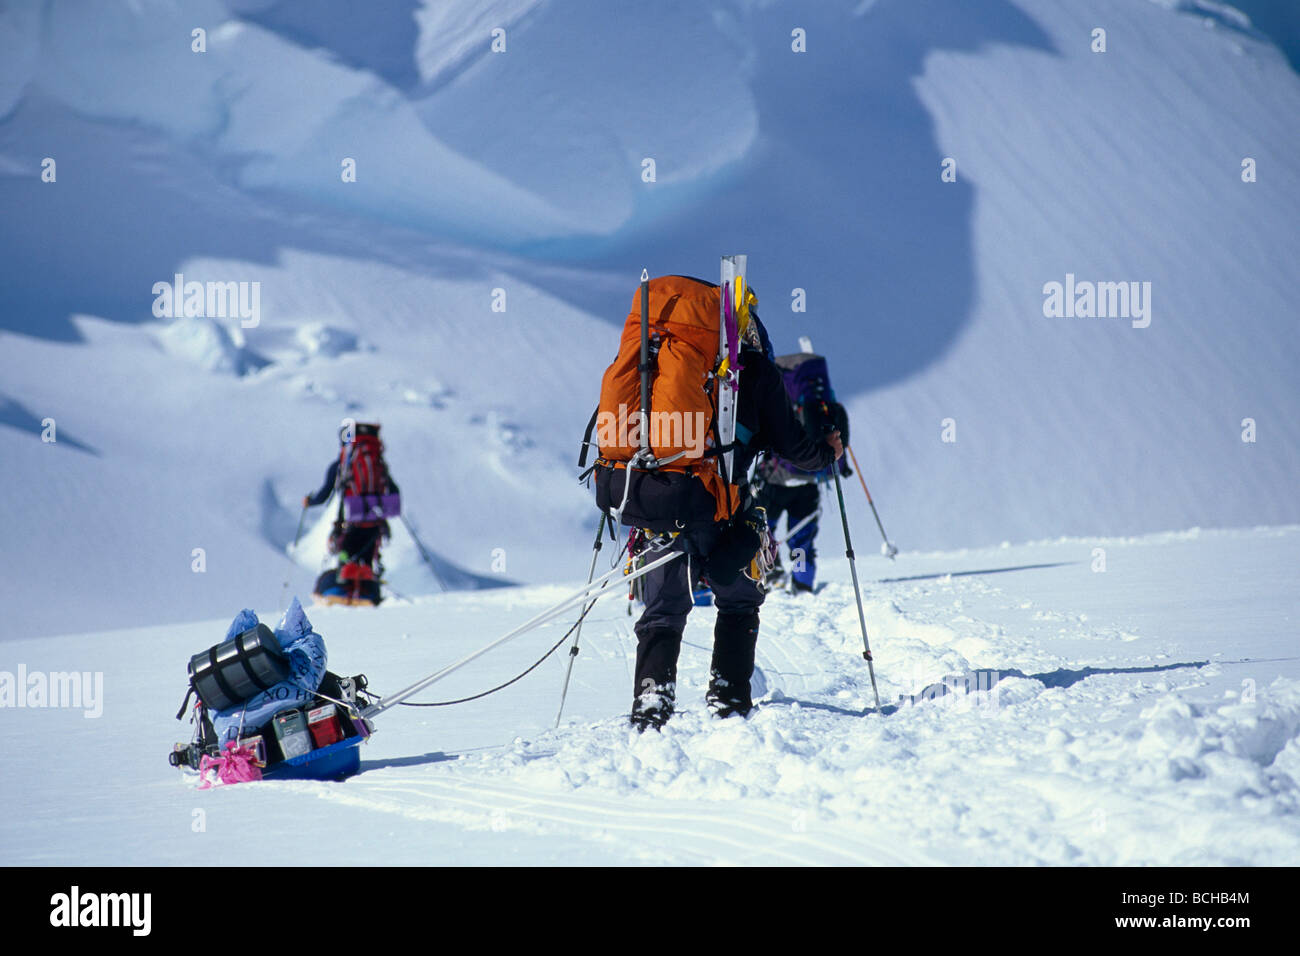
655	680
724	699
734	638
652	708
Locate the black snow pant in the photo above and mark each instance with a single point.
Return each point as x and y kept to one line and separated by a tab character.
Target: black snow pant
796	502
667	603
360	543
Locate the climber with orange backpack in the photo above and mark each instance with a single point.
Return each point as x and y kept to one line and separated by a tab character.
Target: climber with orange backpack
367	497
693	356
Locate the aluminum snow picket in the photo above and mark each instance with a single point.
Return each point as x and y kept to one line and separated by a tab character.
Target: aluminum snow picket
581	596
733	268
646	453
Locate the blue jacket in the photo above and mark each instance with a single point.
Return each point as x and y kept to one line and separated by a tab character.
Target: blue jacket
306	652
321	495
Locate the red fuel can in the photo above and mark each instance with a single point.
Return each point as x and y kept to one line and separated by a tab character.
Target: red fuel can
323	722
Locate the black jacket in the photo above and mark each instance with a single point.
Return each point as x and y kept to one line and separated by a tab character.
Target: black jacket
765	421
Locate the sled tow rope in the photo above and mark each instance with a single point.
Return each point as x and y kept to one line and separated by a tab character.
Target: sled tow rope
578	598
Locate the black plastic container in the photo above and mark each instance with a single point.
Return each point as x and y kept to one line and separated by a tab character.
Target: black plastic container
237	669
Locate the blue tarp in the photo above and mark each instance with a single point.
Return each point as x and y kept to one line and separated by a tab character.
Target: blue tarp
306	652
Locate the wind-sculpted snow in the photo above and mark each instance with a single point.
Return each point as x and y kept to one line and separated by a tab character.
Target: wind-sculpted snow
607	91
208	344
522	171
280	116
18	39
452	32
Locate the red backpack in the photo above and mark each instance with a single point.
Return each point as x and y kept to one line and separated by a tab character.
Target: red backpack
366	494
361	466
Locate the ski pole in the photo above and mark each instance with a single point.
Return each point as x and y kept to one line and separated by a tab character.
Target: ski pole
442	585
582	596
857	592
800	526
302	516
888	550
790	533
573	650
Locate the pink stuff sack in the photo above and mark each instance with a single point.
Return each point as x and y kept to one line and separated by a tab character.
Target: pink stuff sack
235	765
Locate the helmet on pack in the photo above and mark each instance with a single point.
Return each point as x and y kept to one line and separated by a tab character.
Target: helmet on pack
350	430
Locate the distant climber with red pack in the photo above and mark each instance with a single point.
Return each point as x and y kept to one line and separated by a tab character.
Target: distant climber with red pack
692	354
368	496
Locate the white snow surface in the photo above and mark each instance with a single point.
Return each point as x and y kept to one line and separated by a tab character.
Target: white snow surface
1144	714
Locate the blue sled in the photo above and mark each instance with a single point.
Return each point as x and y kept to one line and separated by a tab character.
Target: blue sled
335	762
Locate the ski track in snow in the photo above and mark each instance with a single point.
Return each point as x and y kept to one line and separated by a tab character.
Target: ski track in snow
684	832
1064	766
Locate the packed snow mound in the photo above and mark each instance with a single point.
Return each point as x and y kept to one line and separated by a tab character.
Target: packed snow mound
207	343
1242	740
317	338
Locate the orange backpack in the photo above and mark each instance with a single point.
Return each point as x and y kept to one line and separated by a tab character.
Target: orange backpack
686	486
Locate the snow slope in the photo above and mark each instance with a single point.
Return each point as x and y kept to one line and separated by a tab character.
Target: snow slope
522	172
1147	714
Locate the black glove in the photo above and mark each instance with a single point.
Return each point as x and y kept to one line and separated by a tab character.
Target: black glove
841	418
736	547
